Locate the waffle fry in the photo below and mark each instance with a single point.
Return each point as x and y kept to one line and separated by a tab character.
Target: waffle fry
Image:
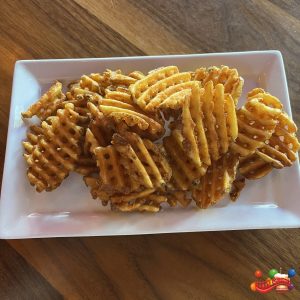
100	127
48	104
232	82
89	84
143	202
219	118
112	174
122	112
142	160
145	89
282	147
253	167
257	120
120	94
216	182
184	172
55	151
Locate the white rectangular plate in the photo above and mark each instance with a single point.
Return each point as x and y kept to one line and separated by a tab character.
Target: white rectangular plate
70	210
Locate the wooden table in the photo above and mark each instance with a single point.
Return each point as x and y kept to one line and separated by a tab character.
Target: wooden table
214	265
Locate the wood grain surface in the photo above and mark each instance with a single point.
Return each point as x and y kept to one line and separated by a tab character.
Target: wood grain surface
214	265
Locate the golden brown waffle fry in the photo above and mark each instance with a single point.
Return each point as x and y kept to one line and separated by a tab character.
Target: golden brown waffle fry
112	175
171	97
100	127
136	75
122	95
282	147
219	119
76	91
110	80
144	201
122	112
257	120
253	167
145	89
232	82
56	150
48	104
142	160
187	130
216	182
87	83
184	172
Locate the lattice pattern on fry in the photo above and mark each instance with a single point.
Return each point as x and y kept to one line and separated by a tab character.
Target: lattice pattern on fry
219	119
282	147
171	97
142	160
147	88
253	167
100	127
229	78
120	94
112	175
109	79
216	182
48	104
126	113
257	120
55	151
146	201
184	172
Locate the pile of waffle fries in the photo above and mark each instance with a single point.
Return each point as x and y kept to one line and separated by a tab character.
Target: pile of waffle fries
165	137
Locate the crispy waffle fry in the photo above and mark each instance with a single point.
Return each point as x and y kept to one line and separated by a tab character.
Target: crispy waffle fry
120	94
253	167
100	127
48	104
142	160
257	120
282	147
232	82
55	151
88	83
112	175
122	112
146	201
184	172
172	96
145	89
216	182
219	119
187	131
